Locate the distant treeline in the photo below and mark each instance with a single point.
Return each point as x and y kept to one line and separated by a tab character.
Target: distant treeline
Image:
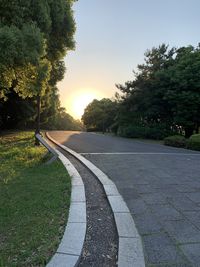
163	98
19	113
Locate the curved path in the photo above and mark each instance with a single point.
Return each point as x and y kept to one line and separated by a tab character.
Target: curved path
161	186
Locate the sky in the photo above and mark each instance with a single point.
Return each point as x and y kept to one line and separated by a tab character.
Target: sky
111	39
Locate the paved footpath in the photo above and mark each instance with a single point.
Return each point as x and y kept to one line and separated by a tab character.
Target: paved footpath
161	186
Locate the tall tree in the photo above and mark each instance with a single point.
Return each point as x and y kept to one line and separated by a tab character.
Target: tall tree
165	91
35	35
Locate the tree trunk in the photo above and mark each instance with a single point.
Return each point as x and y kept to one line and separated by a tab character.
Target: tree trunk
37	128
197	129
188	131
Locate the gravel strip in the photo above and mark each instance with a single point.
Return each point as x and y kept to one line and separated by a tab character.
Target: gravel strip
101	243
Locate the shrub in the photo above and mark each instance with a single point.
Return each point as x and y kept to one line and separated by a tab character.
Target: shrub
175	140
133	131
156	133
194	142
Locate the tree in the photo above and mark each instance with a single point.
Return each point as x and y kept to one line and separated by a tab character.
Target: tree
184	90
99	114
35	35
165	92
143	98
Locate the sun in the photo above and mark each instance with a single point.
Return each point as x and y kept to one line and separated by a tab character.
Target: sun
80	101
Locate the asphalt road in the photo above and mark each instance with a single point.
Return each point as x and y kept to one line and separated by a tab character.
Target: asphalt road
161	186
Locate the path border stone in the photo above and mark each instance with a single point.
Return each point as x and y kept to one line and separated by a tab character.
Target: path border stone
130	252
70	248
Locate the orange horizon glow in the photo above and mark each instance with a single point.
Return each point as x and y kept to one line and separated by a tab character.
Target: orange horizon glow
78	101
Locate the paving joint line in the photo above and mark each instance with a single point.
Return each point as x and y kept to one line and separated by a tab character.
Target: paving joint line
130	250
140	153
67	254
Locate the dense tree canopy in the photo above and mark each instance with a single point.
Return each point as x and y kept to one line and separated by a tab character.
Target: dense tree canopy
35	35
165	92
99	114
162	99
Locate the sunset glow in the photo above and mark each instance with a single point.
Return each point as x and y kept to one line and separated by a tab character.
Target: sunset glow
78	101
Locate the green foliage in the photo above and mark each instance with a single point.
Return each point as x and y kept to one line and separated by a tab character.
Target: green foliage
20	53
62	121
34	201
99	115
175	140
194	142
34	38
165	91
134	131
19	113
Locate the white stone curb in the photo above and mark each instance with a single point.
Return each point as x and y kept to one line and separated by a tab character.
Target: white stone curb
70	248
130	252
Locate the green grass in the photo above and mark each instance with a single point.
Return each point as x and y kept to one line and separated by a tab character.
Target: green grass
34	202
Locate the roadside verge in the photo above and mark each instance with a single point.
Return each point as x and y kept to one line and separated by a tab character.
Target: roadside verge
130	251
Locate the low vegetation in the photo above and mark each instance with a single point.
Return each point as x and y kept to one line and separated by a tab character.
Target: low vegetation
175	140
194	142
133	131
34	201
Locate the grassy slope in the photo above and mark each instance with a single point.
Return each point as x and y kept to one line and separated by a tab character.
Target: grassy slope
34	201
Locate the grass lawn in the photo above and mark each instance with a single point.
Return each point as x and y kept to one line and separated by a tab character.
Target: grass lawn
34	202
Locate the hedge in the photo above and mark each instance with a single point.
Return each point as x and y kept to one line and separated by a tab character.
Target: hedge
133	131
175	140
194	142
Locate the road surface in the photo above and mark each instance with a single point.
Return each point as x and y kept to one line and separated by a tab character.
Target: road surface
161	186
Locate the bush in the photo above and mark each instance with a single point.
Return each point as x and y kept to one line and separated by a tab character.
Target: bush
133	131
130	131
155	133
194	142
175	140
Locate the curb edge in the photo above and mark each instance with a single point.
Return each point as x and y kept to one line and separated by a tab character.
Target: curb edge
70	248
130	249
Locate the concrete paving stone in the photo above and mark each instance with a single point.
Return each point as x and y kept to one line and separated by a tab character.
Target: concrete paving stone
63	260
145	189
160	250
130	253
194	196
130	193
182	264
111	190
78	193
183	203
121	184
136	206
77	212
147	223
125	225
72	241
154	198
165	212
192	252
117	203
186	188
125	261
103	179
76	181
183	231
165	188
193	217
